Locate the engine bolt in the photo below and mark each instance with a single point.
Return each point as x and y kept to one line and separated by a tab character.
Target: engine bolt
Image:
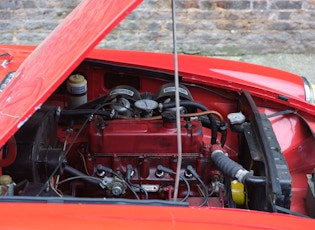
159	173
188	174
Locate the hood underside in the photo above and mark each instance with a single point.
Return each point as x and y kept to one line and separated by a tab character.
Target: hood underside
52	61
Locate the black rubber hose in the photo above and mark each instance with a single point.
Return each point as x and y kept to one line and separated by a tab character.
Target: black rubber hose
225	164
93	103
235	170
85	112
255	180
205	121
76	172
201	107
223	137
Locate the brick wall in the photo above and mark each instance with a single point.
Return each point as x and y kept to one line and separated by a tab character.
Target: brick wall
210	27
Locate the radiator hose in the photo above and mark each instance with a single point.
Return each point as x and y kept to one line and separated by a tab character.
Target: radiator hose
233	169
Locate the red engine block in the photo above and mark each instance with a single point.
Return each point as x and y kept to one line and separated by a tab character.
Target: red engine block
144	144
144	137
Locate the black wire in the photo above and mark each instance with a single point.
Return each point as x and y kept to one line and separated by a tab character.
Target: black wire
206	191
61	161
139	178
188	188
195	174
170	171
140	188
88	200
129	171
288	111
79	177
223	137
128	185
209	90
73	112
109	170
284	112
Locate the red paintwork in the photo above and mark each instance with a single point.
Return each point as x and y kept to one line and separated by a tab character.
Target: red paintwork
218	72
78	216
48	66
154	137
144	144
294	136
40	75
297	145
193	69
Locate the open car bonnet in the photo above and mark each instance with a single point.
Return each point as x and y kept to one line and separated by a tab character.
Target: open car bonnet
52	62
246	132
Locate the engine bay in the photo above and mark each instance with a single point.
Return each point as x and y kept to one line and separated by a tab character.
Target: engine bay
110	132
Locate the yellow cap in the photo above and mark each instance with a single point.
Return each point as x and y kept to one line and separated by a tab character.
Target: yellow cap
238	194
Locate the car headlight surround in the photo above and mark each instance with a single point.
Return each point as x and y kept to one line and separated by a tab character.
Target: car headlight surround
309	89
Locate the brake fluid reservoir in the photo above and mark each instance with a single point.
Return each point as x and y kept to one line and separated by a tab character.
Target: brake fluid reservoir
77	90
6	186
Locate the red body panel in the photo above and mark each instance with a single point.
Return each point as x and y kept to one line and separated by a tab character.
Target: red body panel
76	216
224	73
208	71
49	65
52	62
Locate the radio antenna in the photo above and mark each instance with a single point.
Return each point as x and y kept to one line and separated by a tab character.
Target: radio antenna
178	125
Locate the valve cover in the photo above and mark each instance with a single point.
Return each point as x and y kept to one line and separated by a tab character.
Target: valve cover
149	137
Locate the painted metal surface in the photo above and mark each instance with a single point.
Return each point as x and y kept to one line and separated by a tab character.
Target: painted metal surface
208	71
51	62
78	216
269	83
260	80
63	51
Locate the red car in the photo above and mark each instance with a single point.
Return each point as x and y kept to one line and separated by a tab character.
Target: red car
93	138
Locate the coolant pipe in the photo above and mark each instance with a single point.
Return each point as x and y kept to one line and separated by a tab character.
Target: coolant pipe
234	170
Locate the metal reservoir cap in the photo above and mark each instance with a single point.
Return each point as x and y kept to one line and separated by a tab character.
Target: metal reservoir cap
236	118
